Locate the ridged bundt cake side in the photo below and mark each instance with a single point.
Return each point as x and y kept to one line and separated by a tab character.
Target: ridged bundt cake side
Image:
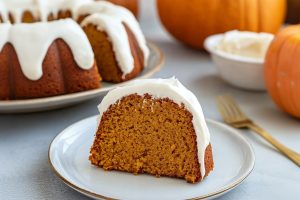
118	55
105	56
115	62
124	46
45	59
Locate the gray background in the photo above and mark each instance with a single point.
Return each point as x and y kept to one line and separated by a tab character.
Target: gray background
24	138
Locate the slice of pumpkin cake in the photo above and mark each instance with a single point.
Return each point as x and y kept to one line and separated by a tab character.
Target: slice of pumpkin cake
153	126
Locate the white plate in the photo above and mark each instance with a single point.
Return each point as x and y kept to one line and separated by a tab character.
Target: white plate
69	152
41	104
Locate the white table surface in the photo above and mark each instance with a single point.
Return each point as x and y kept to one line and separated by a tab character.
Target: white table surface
24	138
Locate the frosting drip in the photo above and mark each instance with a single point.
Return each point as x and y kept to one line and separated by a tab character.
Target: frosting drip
16	8
47	7
166	88
111	23
38	37
120	14
245	44
40	9
118	36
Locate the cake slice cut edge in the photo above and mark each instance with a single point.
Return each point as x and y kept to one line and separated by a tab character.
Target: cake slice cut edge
149	127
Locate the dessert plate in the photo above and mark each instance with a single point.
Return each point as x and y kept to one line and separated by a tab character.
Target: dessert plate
156	60
69	151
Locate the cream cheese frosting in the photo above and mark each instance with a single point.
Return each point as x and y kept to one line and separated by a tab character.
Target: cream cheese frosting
106	16
31	43
47	7
120	15
118	36
166	88
39	8
16	8
246	44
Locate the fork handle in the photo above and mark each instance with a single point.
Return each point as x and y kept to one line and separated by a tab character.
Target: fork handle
292	155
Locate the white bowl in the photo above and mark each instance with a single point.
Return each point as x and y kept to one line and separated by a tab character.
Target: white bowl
242	72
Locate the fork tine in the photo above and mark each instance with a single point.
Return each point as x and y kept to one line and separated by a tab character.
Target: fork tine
225	111
221	108
229	109
235	107
234	116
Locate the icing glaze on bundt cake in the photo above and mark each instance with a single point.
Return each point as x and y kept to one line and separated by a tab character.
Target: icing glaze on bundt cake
127	41
36	38
125	53
57	9
111	34
45	59
153	126
16	11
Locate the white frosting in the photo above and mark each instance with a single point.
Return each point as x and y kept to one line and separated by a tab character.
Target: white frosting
72	5
47	7
166	88
4	12
117	34
246	44
93	7
5	34
16	8
40	9
32	41
111	23
118	16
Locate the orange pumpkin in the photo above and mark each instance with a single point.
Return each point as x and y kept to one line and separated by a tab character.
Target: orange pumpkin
282	70
132	5
191	21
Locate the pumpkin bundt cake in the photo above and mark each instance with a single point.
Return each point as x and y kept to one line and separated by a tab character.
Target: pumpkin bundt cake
153	126
45	59
51	58
123	60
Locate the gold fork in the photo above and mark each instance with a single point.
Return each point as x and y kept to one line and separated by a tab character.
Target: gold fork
233	115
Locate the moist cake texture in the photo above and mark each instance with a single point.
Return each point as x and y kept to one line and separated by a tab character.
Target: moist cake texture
144	133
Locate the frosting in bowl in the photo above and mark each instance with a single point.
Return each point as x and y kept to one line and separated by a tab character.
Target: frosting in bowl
245	44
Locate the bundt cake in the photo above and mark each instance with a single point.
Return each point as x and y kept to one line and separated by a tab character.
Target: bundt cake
45	59
123	60
118	46
153	126
126	53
